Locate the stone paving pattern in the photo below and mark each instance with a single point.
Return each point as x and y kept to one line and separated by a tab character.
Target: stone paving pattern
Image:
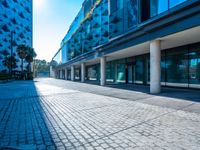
55	114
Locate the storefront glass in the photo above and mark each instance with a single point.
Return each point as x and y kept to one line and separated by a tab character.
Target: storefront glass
77	74
177	67
194	66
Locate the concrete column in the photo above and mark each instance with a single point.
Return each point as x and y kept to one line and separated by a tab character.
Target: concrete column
103	70
52	72
72	73
60	72
155	69
82	72
65	73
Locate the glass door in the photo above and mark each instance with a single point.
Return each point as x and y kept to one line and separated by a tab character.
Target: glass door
130	74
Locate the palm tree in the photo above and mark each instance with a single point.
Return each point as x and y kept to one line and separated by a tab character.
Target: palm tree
22	53
10	62
31	54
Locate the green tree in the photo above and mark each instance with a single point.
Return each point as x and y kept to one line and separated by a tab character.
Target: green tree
31	54
10	62
22	53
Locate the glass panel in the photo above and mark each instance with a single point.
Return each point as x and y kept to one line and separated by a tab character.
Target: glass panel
163	66
121	73
113	6
110	72
139	70
68	74
130	74
92	73
194	65
77	74
173	3
153	7
162	6
177	66
132	12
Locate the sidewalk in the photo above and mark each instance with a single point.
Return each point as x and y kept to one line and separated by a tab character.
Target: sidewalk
56	114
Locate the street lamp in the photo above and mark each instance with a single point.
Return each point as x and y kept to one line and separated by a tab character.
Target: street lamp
11	51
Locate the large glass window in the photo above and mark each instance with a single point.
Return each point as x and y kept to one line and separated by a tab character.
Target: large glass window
139	70
92	73
132	13
177	67
121	71
163	67
110	71
151	8
173	3
77	74
194	65
115	5
163	5
68	74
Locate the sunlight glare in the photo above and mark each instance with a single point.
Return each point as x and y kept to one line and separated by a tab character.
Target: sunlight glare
38	3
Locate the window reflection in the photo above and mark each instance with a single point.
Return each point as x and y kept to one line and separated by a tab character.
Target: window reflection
173	3
177	66
194	65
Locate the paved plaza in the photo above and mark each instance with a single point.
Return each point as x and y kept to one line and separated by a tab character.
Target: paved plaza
57	114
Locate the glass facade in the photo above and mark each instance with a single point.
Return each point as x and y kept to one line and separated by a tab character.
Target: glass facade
155	7
180	67
93	72
177	66
194	66
94	25
77	74
120	71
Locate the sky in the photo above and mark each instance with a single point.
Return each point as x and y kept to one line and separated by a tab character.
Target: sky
51	21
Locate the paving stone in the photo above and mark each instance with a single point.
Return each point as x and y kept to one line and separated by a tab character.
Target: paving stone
51	114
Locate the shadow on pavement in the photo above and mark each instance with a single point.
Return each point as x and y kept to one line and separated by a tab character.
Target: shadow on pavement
24	123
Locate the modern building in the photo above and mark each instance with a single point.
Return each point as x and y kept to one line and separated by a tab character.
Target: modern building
15	26
148	42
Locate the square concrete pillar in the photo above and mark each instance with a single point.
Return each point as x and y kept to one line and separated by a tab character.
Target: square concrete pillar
155	68
82	72
103	70
72	73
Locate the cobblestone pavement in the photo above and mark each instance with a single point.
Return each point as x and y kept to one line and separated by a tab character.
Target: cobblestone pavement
54	114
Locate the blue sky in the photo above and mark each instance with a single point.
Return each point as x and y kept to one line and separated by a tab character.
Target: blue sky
51	20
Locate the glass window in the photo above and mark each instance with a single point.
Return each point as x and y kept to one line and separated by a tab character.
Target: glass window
110	72
173	3
77	74
121	72
92	73
68	74
153	7
113	6
194	65
163	66
162	6
139	70
177	66
132	12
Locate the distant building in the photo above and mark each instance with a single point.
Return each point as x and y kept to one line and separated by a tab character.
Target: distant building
15	26
147	42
